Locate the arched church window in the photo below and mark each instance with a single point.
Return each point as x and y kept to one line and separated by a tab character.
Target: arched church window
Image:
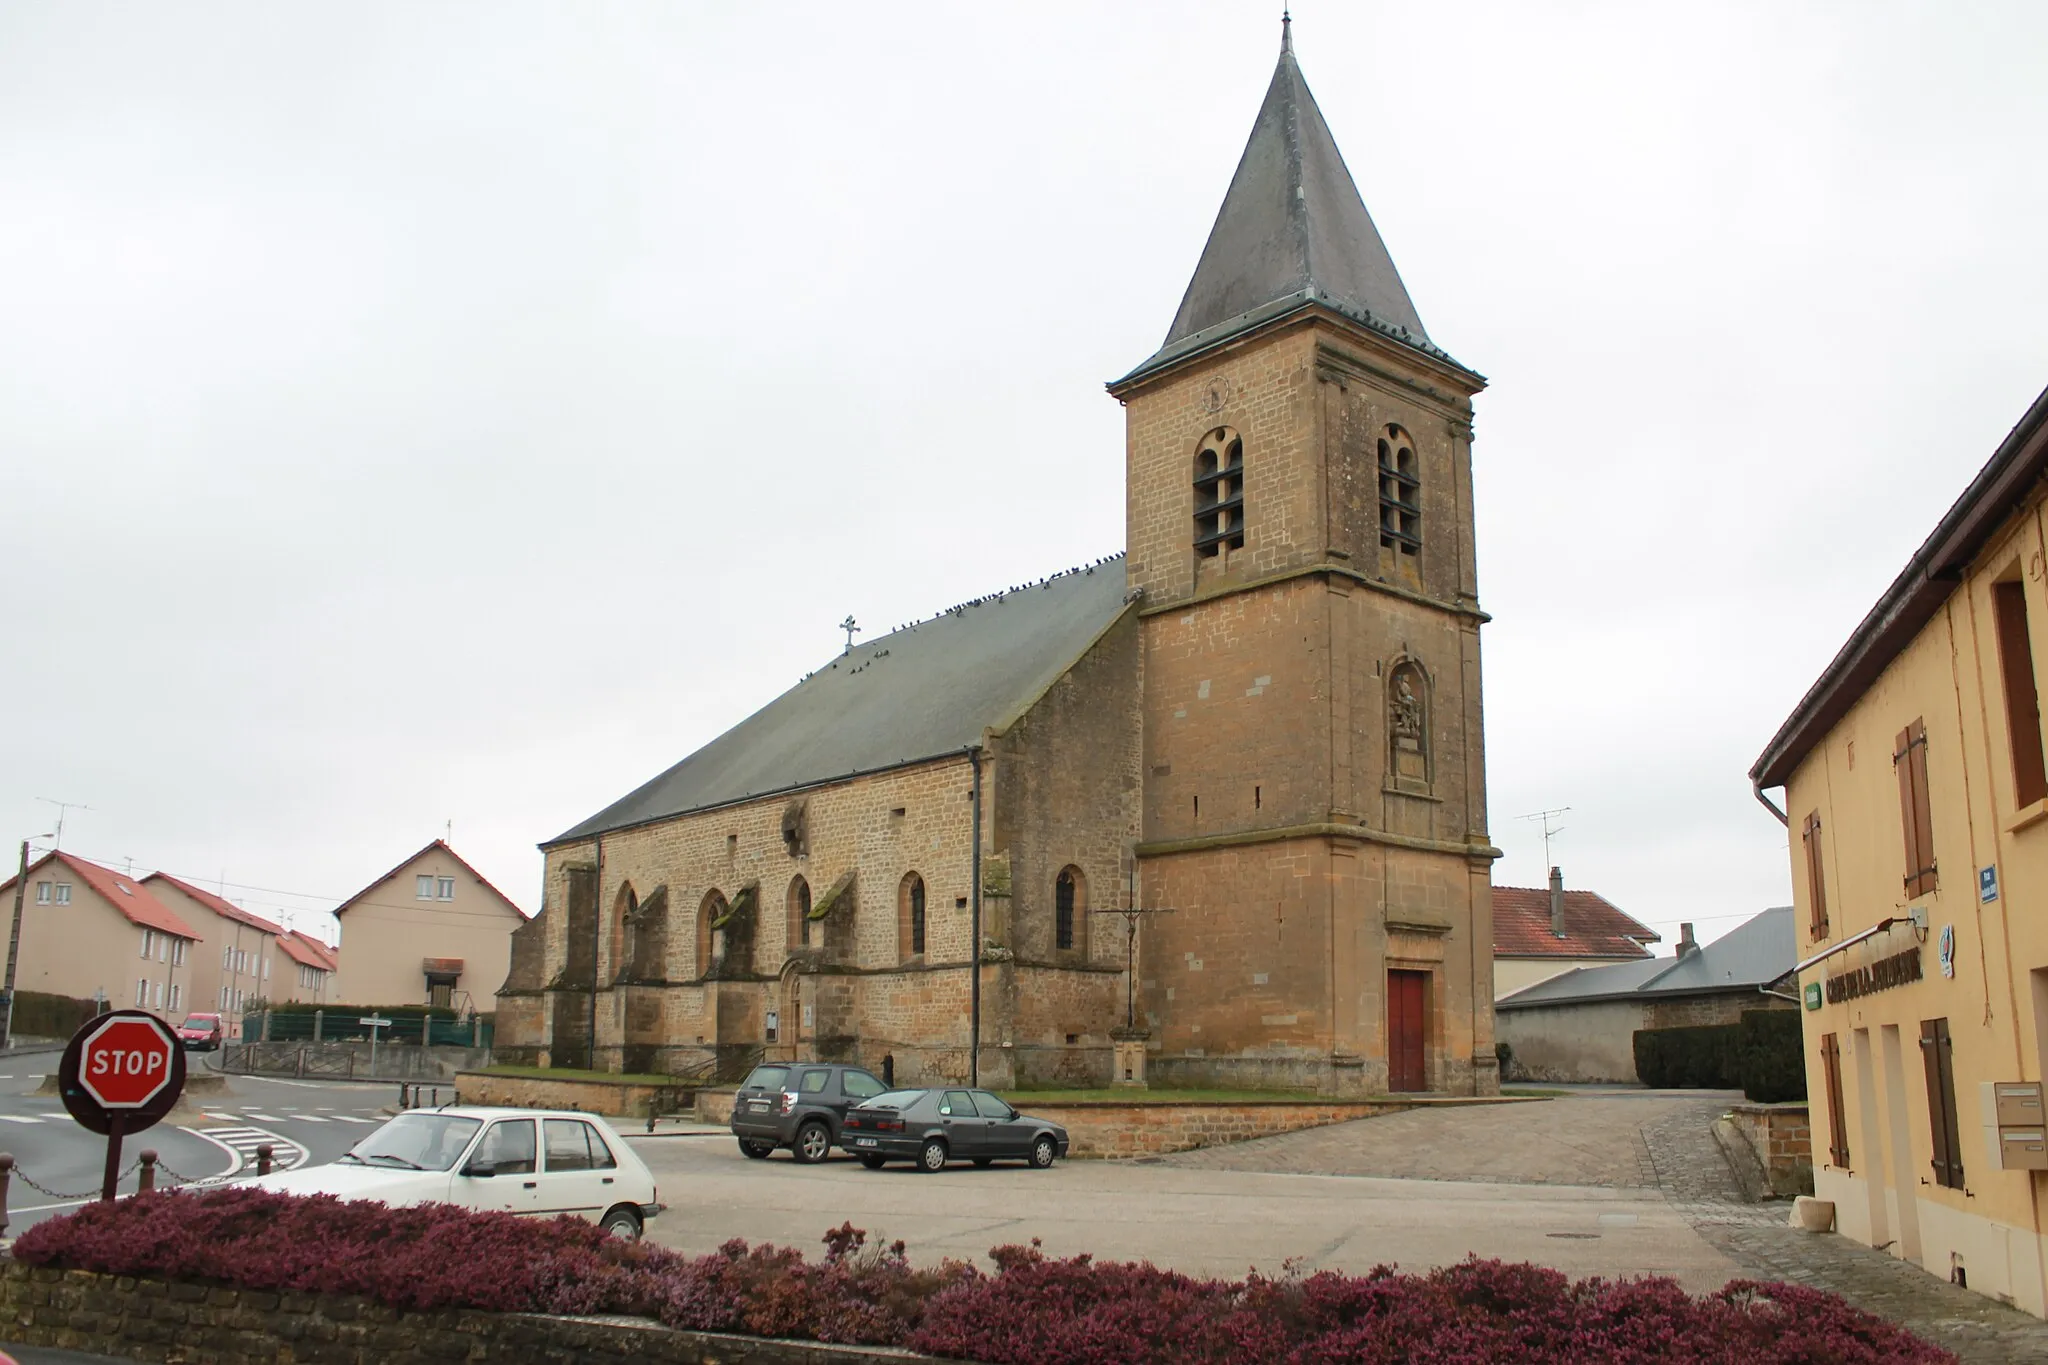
1219	493
1069	903
910	909
1400	492
799	913
622	913
708	944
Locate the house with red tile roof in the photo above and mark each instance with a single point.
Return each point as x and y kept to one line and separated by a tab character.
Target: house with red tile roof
90	932
241	951
1539	933
432	930
310	972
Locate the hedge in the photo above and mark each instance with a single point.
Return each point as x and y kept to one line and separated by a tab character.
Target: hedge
1697	1057
1773	1056
1762	1056
38	1014
1031	1310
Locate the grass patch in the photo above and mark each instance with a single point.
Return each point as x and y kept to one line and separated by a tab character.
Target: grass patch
1024	1099
1528	1092
563	1073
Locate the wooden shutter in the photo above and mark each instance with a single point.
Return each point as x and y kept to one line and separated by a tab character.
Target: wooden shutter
1909	761
1816	882
2022	699
1838	1134
1937	1056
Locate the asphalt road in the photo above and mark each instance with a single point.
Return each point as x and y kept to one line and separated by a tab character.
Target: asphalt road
303	1121
1201	1222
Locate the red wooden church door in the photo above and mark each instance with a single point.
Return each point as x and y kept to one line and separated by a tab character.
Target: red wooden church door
1405	1056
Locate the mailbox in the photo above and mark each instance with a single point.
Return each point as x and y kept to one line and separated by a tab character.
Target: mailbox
2019	1102
2023	1149
2015	1125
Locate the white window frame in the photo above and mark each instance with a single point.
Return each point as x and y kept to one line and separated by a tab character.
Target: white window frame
444	888
63	893
174	997
42	893
423	886
178	946
148	941
142	993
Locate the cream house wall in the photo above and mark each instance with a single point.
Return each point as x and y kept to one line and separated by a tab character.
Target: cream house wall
90	947
1996	1002
388	931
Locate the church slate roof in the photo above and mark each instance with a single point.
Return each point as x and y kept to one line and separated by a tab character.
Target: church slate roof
917	693
1292	231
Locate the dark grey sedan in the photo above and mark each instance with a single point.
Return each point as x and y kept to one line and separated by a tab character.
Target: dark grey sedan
933	1127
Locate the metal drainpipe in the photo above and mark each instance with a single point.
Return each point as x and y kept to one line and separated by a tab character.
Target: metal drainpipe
596	947
1757	790
974	930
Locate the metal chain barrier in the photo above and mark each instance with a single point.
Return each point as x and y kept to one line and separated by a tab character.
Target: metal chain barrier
166	1178
25	1178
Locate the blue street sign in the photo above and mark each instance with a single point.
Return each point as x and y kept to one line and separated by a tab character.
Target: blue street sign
1987	884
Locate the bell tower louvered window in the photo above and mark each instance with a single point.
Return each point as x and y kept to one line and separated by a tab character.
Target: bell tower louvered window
1219	493
1400	493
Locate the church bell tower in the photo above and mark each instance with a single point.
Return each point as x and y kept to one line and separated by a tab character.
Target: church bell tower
1299	522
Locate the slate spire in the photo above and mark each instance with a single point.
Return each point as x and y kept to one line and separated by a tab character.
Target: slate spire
1292	228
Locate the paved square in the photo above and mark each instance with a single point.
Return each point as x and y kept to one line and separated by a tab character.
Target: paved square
1605	1183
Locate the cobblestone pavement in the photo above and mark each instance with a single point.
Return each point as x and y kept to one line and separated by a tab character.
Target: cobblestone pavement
1583	1140
1651	1140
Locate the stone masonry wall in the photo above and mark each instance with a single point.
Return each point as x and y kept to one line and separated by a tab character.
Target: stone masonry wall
1111	1129
612	1098
1782	1137
156	1320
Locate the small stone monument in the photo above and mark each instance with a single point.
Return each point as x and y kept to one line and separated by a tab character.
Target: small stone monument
1128	1050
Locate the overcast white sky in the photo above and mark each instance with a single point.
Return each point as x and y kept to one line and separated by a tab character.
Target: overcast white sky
417	412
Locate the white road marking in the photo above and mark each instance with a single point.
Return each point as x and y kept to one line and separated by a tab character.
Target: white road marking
20	1118
351	1118
265	1118
309	1118
285	1153
224	1118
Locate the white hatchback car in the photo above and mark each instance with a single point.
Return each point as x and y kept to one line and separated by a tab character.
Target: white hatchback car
538	1162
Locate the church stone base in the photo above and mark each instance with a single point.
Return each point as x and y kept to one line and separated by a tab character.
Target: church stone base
1337	1077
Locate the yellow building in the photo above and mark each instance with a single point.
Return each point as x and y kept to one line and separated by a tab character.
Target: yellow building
1916	792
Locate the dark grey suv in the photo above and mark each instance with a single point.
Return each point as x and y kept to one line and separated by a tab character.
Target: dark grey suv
798	1105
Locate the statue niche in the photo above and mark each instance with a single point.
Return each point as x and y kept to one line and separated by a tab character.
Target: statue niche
1408	755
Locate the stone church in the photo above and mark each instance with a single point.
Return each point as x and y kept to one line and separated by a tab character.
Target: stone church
1259	727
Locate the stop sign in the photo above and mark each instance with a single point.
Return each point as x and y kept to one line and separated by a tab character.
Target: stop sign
125	1062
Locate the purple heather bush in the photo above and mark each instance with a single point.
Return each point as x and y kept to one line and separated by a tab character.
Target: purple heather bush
1033	1308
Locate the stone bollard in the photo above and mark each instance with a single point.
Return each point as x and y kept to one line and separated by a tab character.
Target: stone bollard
1813	1215
6	1175
263	1156
319	1019
145	1178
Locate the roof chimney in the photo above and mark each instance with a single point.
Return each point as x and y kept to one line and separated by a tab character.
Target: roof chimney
1686	946
1557	902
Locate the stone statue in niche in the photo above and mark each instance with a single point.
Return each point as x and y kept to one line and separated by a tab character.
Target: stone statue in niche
1408	727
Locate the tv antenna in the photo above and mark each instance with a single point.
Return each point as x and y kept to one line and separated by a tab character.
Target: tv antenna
62	807
1550	831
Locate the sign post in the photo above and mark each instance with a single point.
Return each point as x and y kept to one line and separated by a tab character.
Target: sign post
373	1023
120	1073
